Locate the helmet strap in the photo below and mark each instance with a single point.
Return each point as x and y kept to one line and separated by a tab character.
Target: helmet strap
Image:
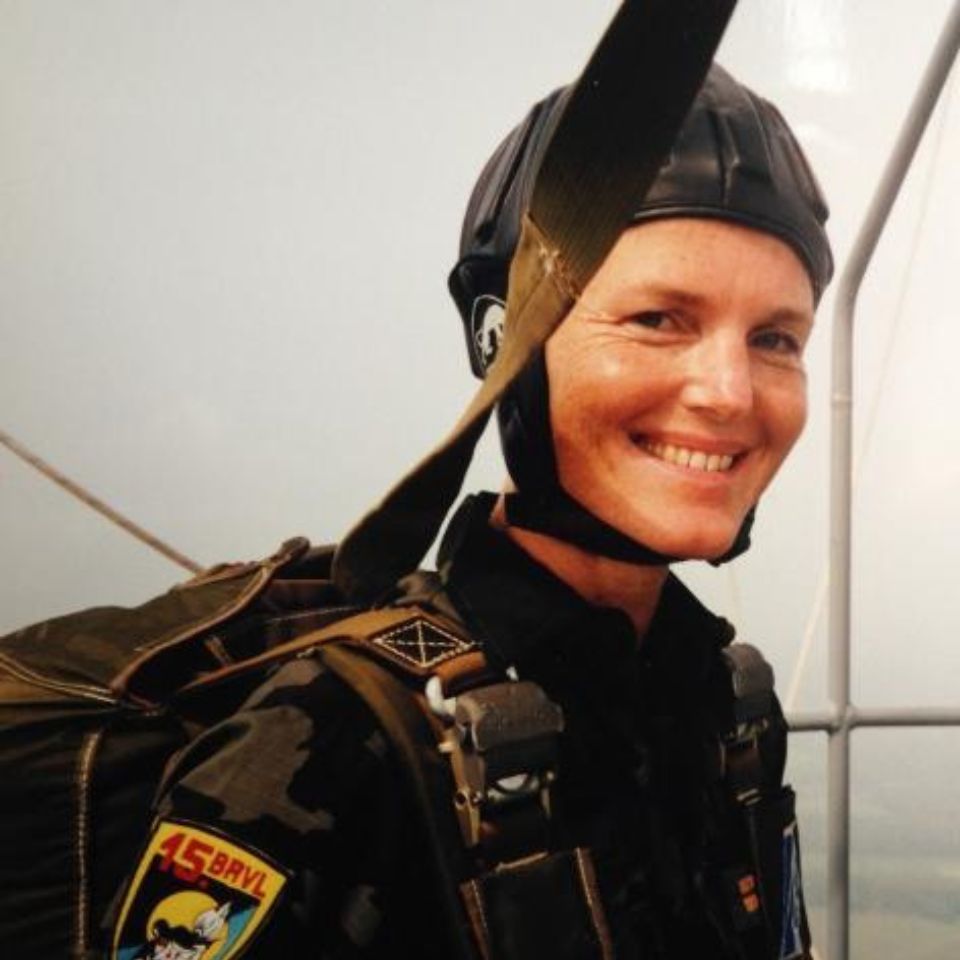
559	515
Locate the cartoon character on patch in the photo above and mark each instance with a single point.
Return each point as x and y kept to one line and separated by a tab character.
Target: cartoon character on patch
196	895
173	939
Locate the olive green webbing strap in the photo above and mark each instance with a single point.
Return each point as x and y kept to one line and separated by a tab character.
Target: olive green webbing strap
354	625
415	743
391	540
620	122
615	131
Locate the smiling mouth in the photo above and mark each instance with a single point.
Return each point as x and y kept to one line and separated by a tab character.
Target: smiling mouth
689	457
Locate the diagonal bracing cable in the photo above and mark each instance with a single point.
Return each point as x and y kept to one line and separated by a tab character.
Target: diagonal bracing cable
95	503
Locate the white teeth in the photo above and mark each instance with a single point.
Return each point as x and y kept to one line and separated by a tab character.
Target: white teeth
692	459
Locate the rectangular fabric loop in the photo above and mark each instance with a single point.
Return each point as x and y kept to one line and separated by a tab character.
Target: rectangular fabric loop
546	906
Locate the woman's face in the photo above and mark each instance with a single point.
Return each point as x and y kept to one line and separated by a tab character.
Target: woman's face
677	384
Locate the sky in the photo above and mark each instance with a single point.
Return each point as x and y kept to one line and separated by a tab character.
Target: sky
225	229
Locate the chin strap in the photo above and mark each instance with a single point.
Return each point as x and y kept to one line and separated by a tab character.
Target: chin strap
559	515
742	542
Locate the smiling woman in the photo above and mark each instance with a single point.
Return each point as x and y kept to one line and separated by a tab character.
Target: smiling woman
645	431
677	385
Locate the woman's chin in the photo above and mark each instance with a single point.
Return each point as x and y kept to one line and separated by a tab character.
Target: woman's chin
695	543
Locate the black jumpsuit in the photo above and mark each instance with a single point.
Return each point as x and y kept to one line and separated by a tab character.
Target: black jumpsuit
303	777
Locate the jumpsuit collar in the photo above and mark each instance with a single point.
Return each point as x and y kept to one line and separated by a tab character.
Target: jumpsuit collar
525	615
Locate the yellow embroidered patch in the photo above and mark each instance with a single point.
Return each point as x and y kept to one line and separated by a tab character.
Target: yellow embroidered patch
195	896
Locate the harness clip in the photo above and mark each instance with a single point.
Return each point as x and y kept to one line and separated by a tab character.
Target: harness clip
502	744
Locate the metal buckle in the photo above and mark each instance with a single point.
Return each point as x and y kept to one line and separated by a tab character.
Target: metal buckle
740	759
501	740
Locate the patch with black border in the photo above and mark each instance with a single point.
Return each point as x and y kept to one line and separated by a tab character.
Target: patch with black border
196	895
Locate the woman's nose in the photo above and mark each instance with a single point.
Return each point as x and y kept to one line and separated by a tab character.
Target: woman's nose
719	381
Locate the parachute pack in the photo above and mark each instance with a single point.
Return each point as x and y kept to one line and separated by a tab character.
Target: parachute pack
93	704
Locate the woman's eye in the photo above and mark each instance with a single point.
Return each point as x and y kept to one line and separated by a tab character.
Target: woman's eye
651	319
776	341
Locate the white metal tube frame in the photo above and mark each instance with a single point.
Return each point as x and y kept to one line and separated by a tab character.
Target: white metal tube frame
843	717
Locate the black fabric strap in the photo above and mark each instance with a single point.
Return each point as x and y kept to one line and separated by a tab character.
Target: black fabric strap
416	746
755	814
558	515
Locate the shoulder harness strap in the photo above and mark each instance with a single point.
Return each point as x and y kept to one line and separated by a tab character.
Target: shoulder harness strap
761	885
